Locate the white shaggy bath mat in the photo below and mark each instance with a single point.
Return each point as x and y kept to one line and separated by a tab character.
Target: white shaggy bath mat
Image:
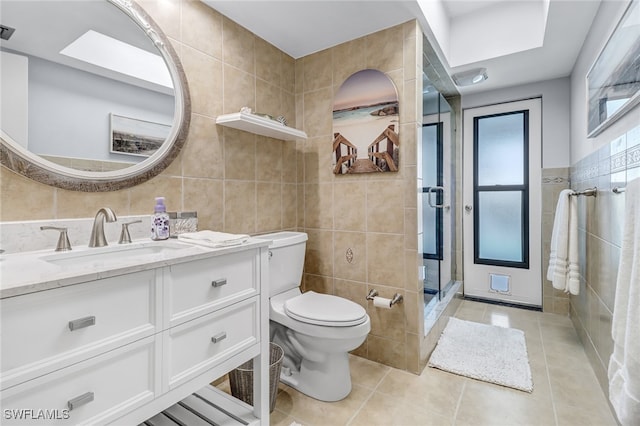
484	352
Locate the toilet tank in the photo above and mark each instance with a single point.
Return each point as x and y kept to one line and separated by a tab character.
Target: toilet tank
286	260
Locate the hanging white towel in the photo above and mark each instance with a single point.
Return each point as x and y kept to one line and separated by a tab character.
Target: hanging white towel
624	364
213	239
563	271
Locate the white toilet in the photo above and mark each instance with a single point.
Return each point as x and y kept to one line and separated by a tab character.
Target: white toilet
315	330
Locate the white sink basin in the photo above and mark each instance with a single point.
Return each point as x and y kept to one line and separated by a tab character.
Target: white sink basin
113	254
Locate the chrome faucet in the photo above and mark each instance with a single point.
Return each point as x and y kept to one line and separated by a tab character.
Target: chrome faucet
97	232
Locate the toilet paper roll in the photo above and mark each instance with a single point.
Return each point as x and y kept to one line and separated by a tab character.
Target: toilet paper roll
382	302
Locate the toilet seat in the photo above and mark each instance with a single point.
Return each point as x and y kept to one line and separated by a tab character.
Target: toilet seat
325	309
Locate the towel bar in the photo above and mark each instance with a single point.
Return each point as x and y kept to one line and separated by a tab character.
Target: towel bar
589	192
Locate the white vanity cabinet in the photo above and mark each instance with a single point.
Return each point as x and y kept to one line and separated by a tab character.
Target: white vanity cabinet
121	349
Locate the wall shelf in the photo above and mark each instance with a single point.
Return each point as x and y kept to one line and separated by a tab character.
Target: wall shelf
260	125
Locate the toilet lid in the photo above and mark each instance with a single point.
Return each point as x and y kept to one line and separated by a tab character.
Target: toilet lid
324	309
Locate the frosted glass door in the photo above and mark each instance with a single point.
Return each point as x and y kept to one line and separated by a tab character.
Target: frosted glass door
501	189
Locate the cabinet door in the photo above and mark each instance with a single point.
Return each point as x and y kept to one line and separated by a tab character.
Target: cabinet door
94	391
193	289
55	328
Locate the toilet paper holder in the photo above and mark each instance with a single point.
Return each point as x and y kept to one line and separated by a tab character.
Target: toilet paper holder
397	298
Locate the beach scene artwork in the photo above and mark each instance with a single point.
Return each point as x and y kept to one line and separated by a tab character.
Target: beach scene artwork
366	124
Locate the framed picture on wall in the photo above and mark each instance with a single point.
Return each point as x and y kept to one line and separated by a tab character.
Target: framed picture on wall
136	137
613	82
366	124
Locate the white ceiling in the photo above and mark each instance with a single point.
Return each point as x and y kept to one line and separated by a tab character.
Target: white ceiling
515	46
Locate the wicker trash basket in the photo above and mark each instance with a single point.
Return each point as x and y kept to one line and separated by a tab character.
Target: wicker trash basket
241	378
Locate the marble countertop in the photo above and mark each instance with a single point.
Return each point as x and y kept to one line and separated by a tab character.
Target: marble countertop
29	272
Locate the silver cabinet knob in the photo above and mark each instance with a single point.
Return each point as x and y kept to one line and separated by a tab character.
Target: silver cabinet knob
468	208
82	323
80	400
219	283
219	337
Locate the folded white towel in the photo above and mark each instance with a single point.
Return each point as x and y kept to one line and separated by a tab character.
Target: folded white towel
624	364
213	239
563	271
573	272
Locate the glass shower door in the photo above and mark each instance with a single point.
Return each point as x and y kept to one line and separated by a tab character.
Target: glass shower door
432	209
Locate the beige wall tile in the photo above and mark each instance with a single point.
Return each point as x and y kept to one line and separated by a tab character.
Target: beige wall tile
202	154
239	90
356	291
388	352
73	204
289	205
205	196
289	164
202	28
142	197
410	187
349	58
319	255
204	75
409	146
269	159
24	199
238	46
317	72
318	108
352	265
317	159
288	73
384	49
349	204
239	155
411	229
269	214
268	98
320	198
385	206
288	108
412	265
318	283
384	266
240	207
268	62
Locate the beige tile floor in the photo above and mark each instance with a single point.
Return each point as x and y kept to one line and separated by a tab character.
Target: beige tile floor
566	391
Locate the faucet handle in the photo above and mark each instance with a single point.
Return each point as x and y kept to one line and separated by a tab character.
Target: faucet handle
63	240
125	237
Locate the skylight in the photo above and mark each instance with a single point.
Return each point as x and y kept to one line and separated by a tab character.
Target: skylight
107	52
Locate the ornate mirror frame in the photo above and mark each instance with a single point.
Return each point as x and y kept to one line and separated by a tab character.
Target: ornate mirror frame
32	166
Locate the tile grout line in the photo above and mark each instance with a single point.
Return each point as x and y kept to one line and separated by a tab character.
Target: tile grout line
546	367
459	403
373	391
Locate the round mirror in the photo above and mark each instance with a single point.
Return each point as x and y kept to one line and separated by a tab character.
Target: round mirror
93	98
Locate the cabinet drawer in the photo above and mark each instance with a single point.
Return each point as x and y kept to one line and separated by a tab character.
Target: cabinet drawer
55	328
100	389
198	345
195	288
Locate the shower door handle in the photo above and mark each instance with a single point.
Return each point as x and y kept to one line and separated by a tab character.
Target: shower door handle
433	189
